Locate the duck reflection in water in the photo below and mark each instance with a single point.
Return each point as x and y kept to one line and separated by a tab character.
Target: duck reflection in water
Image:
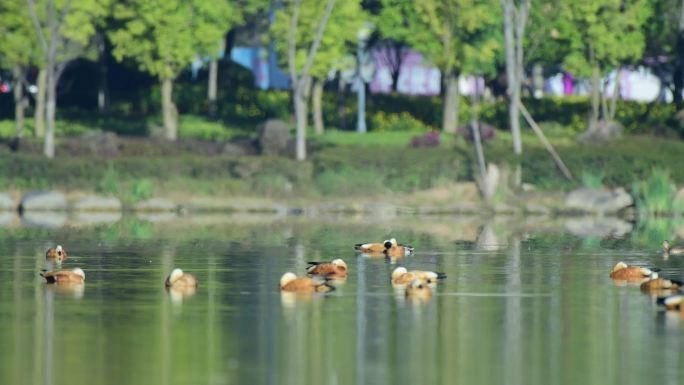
73	290
180	285
418	292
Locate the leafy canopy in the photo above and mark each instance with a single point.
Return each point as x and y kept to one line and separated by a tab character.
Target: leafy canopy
339	37
164	36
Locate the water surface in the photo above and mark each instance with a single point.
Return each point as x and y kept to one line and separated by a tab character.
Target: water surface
522	304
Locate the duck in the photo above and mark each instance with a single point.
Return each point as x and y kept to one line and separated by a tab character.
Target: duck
64	276
418	290
398	250
179	279
672	250
672	302
377	248
289	282
401	276
657	284
621	271
337	268
56	254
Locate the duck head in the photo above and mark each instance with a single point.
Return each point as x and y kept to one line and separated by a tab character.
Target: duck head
398	272
619	266
78	271
287	278
175	275
339	263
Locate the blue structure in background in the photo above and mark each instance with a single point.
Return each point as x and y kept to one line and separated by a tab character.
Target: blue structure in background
264	66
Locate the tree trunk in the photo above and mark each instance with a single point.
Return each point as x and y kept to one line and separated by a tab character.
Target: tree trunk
19	102
616	95
103	87
212	87
39	113
300	119
512	74
450	107
317	104
50	111
169	111
595	98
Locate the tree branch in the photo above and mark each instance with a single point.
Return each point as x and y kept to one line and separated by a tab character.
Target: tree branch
318	38
36	24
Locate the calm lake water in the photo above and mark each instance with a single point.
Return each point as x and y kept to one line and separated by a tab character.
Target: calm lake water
524	302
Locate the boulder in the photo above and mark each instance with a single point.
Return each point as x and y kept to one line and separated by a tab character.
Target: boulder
7	202
97	203
598	226
43	200
600	201
274	137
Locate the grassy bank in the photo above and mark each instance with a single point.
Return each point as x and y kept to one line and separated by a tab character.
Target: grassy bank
342	164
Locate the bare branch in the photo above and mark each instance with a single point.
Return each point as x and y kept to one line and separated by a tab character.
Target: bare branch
291	44
318	38
36	24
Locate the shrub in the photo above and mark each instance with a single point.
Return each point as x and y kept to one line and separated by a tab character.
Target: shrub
431	139
591	179
403	121
655	195
109	184
143	189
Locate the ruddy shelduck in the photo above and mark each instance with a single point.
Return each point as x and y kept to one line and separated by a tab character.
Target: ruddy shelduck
418	290
621	271
337	268
291	283
64	276
397	250
672	250
56	254
672	302
377	248
401	276
657	284
179	279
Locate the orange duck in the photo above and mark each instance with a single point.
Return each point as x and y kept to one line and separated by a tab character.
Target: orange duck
623	272
64	276
337	268
291	283
178	279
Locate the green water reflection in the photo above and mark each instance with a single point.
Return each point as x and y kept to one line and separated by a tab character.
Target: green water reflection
525	302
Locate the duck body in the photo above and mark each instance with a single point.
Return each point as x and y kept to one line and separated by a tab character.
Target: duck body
397	250
658	284
672	302
377	248
337	268
622	271
289	282
401	276
180	279
64	276
56	254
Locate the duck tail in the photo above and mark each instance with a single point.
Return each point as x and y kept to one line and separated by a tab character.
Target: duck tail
661	300
677	282
358	246
313	263
441	275
42	273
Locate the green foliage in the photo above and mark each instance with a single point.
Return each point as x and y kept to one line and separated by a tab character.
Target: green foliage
592	179
340	33
603	33
164	36
143	189
656	194
110	183
19	36
404	121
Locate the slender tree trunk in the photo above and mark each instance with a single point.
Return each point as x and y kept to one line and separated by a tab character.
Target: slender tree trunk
39	113
317	104
479	152
616	95
451	104
169	112
595	97
19	101
604	99
300	118
212	87
50	111
103	87
512	72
